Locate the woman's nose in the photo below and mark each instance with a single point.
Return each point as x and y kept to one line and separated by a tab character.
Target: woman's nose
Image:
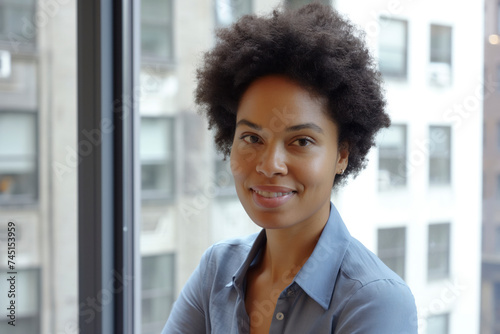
272	162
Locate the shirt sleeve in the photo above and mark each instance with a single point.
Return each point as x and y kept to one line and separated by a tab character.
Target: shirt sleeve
189	310
383	306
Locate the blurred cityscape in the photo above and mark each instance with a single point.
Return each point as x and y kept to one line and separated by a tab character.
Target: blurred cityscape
428	203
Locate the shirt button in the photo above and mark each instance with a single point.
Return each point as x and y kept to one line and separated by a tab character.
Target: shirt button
280	316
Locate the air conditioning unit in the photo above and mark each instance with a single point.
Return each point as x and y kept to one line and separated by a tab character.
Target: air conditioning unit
5	64
440	74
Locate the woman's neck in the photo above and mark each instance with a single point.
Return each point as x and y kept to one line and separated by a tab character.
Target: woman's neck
288	249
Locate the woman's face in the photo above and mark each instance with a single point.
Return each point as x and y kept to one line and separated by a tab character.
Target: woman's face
285	154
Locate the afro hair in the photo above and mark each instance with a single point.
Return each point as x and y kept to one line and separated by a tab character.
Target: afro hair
313	45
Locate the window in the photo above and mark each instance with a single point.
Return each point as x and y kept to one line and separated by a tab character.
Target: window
496	307
228	11
157	30
438	251
438	324
440	55
498	187
393	47
223	176
497	240
18	157
27	282
157	157
17	21
498	17
439	155
392	157
299	3
157	291
392	248
498	132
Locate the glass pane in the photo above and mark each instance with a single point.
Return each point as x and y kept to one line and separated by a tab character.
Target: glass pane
439	154
392	157
392	47
392	248
437	324
18	23
440	44
156	29
438	251
299	3
38	167
228	11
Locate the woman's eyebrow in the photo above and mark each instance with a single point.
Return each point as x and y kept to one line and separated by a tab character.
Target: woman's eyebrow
249	124
311	126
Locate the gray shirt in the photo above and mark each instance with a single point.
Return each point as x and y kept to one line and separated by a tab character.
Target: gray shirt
342	288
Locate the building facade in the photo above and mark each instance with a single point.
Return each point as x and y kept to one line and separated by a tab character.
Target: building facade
490	297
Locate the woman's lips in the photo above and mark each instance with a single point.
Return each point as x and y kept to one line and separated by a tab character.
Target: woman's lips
271	196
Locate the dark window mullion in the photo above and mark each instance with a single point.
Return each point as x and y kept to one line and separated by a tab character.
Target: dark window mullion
127	169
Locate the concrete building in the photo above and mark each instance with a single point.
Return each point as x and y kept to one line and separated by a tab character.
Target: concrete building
490	297
420	193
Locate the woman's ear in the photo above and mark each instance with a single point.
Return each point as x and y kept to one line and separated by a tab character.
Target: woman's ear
342	157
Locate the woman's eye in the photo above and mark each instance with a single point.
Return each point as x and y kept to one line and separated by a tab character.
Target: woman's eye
250	139
302	142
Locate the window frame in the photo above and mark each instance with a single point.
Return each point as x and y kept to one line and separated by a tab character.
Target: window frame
108	47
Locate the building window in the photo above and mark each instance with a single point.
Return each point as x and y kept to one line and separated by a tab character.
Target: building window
438	251
498	18
392	248
498	187
440	55
498	78
157	157
498	130
294	4
18	157
17	23
393	47
223	176
228	11
27	302
439	155
438	324
497	240
392	157
158	277
496	307
157	30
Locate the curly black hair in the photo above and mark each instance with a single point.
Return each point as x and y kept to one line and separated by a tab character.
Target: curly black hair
312	45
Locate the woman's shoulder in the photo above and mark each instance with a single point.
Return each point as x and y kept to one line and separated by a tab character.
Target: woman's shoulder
363	266
229	254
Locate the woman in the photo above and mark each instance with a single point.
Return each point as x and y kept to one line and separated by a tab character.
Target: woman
295	100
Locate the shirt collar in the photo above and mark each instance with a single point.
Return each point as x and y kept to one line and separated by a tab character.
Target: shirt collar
318	275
